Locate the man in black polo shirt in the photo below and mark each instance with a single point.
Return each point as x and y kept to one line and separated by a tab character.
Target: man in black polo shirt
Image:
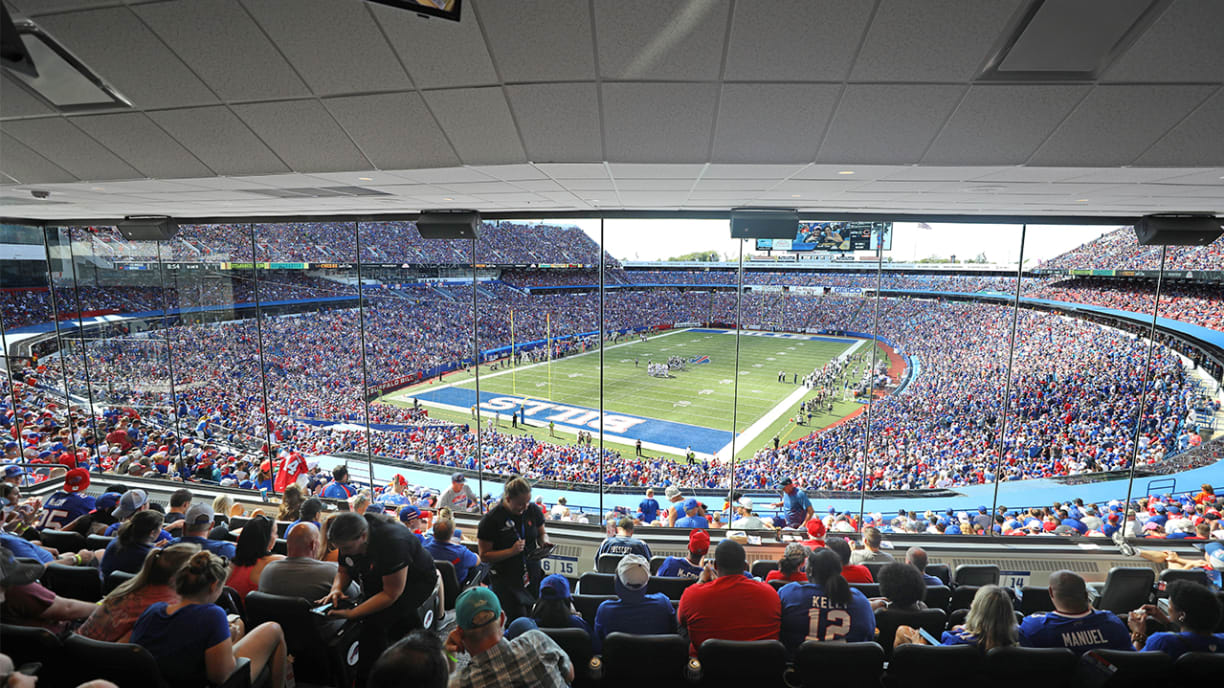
508	535
395	572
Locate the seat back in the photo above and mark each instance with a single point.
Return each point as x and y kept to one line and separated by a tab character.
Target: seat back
607	562
232	602
671	586
874	567
869	590
237	522
778	583
933	621
1035	599
962	597
1126	588
577	646
655	563
845	665
761	568
588	605
319	646
940	571
281	546
26	644
1193	575
1130	669
654	659
114	579
738	663
62	540
94	542
938	597
938	666
123	664
594	583
1024	667
74	582
1198	669
450	583
977	574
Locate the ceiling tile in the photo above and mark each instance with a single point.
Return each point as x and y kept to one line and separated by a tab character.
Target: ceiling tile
559	122
942	173
136	139
30	8
220	140
933	40
448	175
15	101
527	49
772	123
513	173
334	44
886	123
479	124
664	123
68	147
225	47
973	135
427	48
27	167
645	39
142	68
304	135
574	170
736	172
1115	124
394	130
660	171
1192	28
1196	140
796	40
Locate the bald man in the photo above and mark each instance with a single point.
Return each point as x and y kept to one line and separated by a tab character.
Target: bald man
1074	624
301	574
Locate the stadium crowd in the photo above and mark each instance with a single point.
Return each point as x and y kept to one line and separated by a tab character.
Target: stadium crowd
1119	250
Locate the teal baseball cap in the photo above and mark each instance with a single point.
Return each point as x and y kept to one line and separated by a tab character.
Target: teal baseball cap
477	607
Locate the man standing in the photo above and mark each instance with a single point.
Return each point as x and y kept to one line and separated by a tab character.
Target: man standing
796	507
1074	624
531	659
648	509
693	516
458	497
732	606
638	448
300	574
507	536
623	542
674	501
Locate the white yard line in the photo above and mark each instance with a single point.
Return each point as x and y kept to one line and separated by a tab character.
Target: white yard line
763	423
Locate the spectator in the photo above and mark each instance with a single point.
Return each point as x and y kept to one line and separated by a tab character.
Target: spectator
68	504
339	488
531	659
1073	624
560	512
731	606
693	515
634	611
441	548
359	502
816	532
309	513
1192	606
131	502
917	557
25	602
114	616
193	641
508	535
291	503
691	566
222	506
196	524
991	623
418	659
411	517
675	500
554	609
301	574
796	506
180	501
901	588
128	551
97	520
790	566
458	497
825	608
648	509
746	520
872	539
854	573
253	554
623	542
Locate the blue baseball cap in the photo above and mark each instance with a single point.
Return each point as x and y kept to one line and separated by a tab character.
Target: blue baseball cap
107	502
409	512
554	587
690	504
12	471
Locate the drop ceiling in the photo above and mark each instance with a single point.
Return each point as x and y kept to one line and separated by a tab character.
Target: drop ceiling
823	105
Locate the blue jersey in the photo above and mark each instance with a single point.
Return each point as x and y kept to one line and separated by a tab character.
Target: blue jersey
338	490
692	522
113	530
63	508
649	510
623	545
1090	630
679	567
1177	644
808	614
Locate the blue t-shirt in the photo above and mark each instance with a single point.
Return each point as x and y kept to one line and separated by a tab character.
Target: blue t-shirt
63	508
113	529
1177	644
217	547
648	509
679	567
653	615
623	545
795	506
120	558
807	614
1079	633
462	557
21	547
959	636
338	490
178	641
692	522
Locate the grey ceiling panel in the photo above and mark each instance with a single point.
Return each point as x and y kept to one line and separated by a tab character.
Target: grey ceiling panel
658	122
427	48
764	123
1197	140
527	49
334	44
559	122
645	39
140	142
974	134
1115	124
304	135
478	122
68	147
797	40
394	130
32	8
886	124
932	40
1192	29
15	101
222	44
124	52
221	140
28	167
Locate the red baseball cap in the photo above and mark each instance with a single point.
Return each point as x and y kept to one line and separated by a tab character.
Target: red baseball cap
76	480
699	542
816	528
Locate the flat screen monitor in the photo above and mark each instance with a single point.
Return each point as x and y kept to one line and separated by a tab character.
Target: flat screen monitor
446	9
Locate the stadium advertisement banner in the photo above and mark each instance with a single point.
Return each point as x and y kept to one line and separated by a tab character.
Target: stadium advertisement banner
265	266
848	291
770	288
807	290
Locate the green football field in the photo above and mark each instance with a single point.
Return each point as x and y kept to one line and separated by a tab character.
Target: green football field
701	394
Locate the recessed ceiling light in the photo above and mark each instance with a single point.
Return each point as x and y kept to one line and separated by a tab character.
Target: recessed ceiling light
794	195
365	179
96	188
1081	200
448	199
845	172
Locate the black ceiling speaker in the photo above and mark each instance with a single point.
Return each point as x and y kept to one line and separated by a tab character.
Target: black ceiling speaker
13	52
147	227
1178	230
764	223
448	224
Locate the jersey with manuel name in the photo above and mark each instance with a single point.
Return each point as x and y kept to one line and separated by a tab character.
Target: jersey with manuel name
808	614
1079	633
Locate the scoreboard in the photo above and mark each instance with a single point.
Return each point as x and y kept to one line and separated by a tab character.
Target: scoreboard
834	236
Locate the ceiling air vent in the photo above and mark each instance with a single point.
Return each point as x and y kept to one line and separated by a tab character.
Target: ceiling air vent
48	70
1070	40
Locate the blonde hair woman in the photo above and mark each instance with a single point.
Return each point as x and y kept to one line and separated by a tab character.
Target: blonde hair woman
991	623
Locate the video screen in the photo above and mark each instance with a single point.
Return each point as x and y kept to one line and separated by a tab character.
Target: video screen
446	9
834	236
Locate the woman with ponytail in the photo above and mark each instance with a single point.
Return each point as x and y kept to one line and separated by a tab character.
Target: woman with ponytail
826	607
113	618
130	548
192	640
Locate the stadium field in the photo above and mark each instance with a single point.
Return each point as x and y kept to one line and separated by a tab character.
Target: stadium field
692	407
